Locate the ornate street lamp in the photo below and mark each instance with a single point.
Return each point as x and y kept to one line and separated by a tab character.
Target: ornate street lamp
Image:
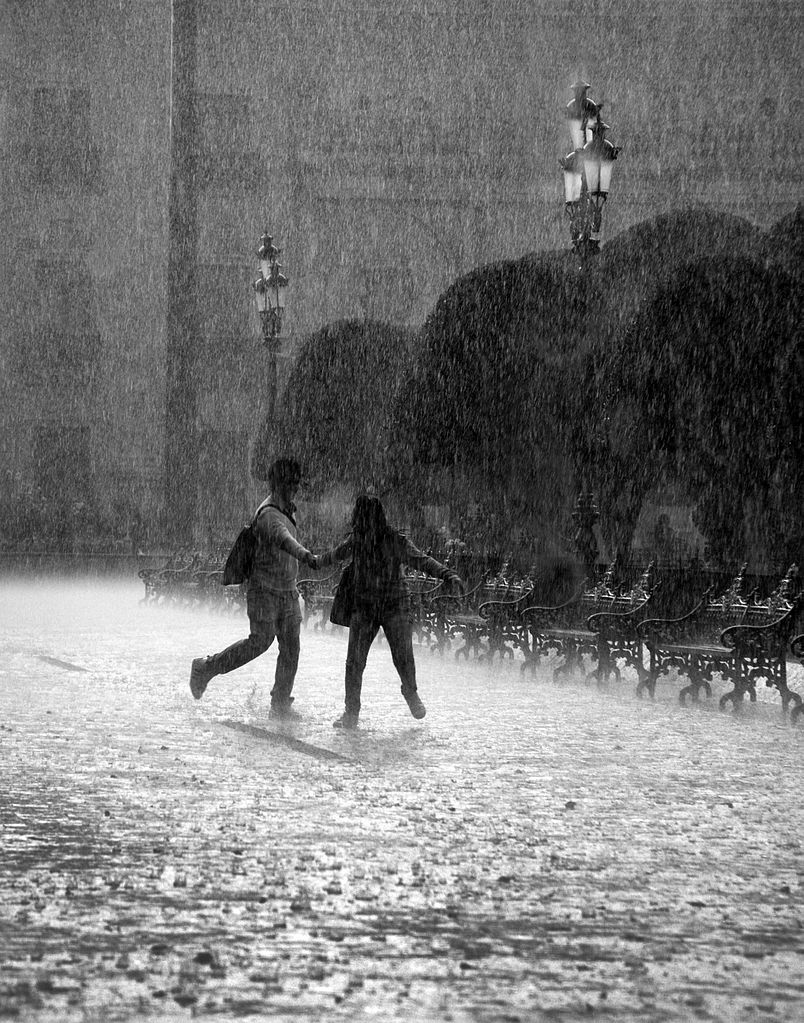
584	518
598	163
270	289
587	170
581	112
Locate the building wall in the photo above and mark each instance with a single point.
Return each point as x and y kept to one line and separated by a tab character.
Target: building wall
389	147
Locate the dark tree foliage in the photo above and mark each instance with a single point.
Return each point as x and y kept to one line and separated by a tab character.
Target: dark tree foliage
656	247
636	264
534	378
504	389
704	386
672	357
494	374
335	408
786	241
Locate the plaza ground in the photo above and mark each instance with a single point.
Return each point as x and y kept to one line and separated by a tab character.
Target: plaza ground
530	851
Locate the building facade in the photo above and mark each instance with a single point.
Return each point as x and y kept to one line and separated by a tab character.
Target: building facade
388	147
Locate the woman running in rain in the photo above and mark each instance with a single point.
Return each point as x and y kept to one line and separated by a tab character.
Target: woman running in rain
381	598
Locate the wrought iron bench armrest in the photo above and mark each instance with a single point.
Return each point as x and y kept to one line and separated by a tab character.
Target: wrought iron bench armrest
767	638
617	621
503	608
673	630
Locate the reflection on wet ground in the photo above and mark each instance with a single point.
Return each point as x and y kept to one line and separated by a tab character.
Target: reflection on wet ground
529	851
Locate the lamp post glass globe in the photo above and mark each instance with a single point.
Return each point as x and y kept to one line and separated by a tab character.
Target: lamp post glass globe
572	165
598	163
587	169
267	250
270	289
581	113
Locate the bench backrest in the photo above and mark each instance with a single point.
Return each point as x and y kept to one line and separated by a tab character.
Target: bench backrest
624	601
418	582
718	613
627	609
573	612
765	639
782	599
312	588
505	589
602	596
507	609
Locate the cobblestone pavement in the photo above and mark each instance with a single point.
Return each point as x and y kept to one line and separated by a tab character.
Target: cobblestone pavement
529	851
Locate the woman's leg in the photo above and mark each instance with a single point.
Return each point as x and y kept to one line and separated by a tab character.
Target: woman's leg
398	632
362	632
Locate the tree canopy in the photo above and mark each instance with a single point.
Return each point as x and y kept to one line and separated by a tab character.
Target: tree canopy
703	386
673	355
334	411
487	394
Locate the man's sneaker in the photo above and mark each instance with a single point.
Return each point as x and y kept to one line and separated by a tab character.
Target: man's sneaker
417	708
200	674
283	712
347	720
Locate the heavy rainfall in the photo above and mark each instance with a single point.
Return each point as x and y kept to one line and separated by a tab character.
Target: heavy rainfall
500	304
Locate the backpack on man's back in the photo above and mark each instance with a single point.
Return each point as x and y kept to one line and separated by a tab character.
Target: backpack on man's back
240	563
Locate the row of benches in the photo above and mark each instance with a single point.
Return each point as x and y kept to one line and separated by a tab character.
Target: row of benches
606	626
732	634
190	579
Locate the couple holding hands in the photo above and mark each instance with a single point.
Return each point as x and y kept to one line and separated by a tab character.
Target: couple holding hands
378	553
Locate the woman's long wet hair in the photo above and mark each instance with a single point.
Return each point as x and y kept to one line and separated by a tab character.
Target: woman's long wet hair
370	527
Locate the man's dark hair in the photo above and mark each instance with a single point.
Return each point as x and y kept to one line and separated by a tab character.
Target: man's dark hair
284	470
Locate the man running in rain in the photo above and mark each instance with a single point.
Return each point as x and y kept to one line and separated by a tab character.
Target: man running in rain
272	596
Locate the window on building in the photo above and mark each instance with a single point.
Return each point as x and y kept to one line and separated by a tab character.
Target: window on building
69	512
60	150
222	482
62	343
62	466
224	307
226	159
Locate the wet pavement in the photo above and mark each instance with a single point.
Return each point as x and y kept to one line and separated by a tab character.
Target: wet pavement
530	851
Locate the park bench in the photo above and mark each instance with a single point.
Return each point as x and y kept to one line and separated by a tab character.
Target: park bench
183	585
501	620
737	637
163	583
317	595
212	594
690	644
559	628
422	590
760	645
617	629
482	617
598	622
447	611
797	650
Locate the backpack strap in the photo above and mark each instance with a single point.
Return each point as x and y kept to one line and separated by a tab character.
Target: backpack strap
270	504
260	510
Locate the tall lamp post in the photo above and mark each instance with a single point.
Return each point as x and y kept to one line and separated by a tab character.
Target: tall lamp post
270	289
587	170
584	518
